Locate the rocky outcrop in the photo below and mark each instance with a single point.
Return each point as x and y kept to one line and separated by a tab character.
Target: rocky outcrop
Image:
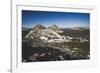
46	34
55	28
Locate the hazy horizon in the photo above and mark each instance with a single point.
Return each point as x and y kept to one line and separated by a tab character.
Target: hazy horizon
55	24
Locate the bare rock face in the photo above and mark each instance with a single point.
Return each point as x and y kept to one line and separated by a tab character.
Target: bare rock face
56	28
38	27
35	32
46	34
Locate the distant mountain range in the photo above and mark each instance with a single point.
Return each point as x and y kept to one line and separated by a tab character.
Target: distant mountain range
74	31
54	27
78	28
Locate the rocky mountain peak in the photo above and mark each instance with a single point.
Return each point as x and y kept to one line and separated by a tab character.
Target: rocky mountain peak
39	26
55	28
